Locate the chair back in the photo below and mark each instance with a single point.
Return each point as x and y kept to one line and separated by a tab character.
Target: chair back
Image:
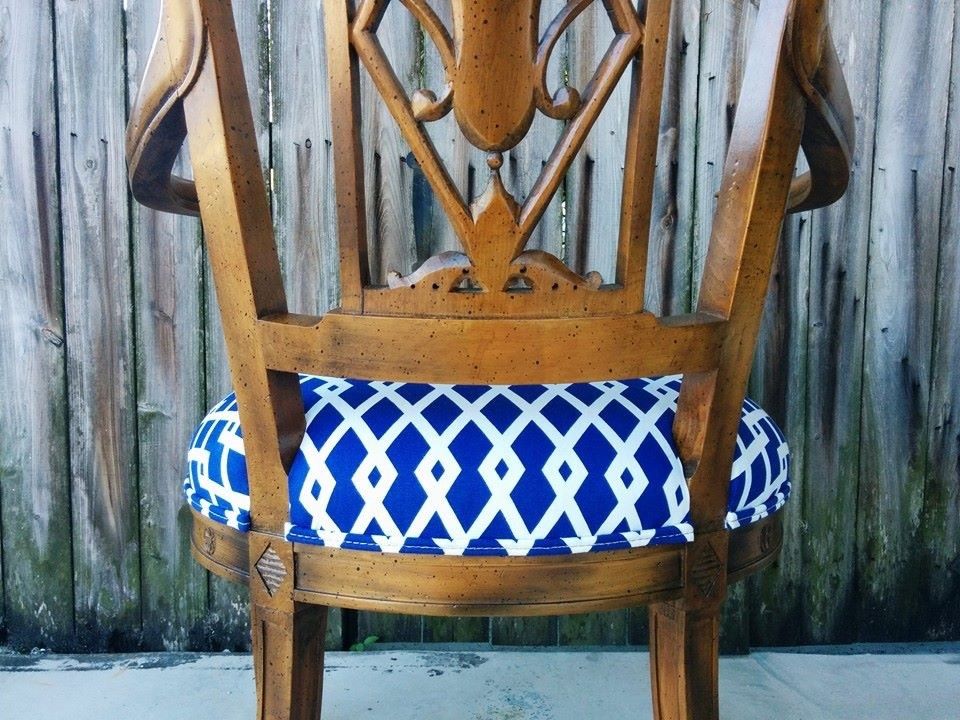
496	310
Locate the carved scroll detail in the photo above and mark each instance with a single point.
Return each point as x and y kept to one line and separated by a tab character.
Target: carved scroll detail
445	271
427	107
492	41
544	271
567	100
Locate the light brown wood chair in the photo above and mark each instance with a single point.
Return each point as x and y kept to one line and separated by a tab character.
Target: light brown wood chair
496	313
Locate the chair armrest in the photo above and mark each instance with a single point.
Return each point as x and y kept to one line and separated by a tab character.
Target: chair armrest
157	127
829	130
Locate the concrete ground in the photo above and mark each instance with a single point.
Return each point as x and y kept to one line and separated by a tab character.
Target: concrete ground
867	682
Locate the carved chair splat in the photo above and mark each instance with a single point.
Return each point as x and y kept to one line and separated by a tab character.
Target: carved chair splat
496	313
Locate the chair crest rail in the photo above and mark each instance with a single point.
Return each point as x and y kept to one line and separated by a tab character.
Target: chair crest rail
503	351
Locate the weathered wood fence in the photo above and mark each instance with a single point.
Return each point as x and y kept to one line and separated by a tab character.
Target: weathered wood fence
110	348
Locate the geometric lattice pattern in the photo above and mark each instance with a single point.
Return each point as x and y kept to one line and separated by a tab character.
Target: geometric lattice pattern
487	469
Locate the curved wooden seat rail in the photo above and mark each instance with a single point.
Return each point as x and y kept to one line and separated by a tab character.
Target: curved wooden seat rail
496	311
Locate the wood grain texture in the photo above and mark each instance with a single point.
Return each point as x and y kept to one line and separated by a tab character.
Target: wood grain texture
828	505
168	310
810	598
37	583
940	523
303	199
101	372
669	276
901	286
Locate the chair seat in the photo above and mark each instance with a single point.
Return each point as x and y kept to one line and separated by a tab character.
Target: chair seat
487	469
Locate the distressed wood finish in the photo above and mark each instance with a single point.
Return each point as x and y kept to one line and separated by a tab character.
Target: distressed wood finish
503	350
816	581
229	624
490	302
940	524
166	260
810	596
99	325
37	582
899	321
554	586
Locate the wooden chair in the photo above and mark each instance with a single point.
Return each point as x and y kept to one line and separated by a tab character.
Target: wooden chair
495	314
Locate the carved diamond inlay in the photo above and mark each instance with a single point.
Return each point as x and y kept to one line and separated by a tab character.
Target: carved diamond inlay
706	570
271	569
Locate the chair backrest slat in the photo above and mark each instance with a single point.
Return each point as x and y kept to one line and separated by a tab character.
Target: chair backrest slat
345	123
495	59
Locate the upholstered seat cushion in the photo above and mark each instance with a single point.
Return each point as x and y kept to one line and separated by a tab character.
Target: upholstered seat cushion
487	470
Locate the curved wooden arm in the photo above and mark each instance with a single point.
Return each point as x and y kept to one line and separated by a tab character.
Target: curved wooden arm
829	131
157	127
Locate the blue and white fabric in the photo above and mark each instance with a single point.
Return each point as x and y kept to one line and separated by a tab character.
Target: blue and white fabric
487	469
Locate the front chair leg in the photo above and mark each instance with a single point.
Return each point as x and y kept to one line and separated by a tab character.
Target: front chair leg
684	653
288	660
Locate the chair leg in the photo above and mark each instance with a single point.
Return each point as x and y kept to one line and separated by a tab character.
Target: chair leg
288	661
684	653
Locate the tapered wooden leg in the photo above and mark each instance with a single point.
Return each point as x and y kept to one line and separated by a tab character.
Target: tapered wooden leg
684	652
288	661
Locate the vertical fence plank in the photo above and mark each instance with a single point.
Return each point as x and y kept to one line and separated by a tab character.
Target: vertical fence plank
904	232
595	180
779	383
168	300
671	226
304	205
303	201
940	524
229	619
520	631
601	628
100	355
524	163
817	587
37	582
388	171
